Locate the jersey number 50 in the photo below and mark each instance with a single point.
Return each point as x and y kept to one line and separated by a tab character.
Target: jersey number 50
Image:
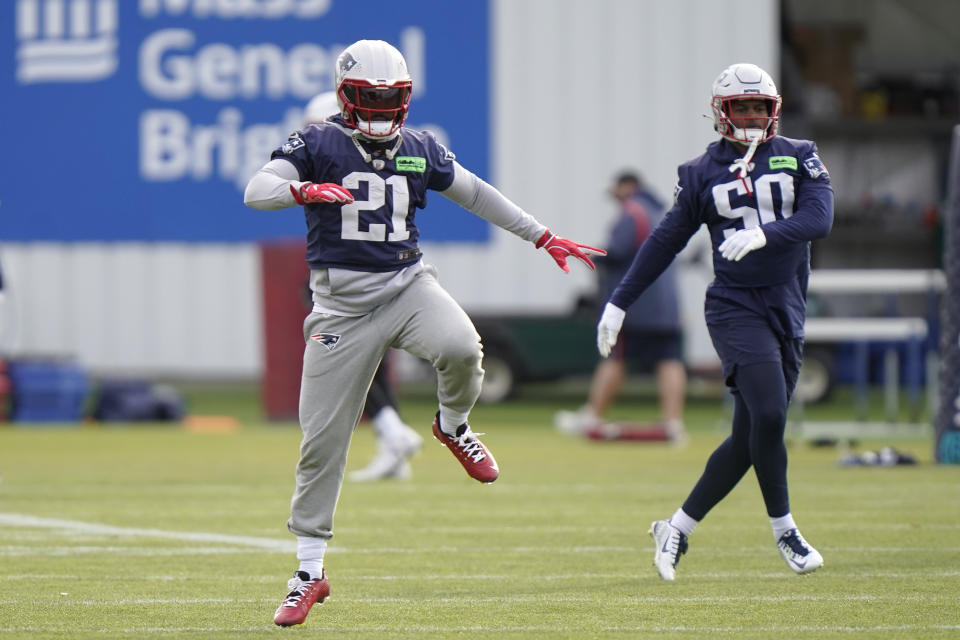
763	188
376	199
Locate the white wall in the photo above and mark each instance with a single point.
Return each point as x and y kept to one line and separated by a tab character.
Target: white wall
580	91
168	310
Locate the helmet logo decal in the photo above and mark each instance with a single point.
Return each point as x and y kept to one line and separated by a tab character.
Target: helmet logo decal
346	62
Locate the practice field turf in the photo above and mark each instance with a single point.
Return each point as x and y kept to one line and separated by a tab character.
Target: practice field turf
157	531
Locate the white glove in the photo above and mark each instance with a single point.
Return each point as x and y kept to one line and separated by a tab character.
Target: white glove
741	243
609	328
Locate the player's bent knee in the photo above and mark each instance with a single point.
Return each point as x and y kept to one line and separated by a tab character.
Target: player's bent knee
461	355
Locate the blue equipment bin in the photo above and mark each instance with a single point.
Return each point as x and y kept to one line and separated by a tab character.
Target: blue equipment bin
47	390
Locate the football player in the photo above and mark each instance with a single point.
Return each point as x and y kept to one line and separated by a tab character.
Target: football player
397	442
360	177
763	198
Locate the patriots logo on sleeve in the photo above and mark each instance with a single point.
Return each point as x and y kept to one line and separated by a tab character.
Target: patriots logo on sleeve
447	154
676	192
293	143
815	167
329	340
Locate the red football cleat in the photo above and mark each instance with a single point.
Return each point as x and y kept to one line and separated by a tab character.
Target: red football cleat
304	592
472	454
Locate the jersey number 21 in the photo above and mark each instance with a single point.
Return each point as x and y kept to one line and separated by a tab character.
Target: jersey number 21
376	198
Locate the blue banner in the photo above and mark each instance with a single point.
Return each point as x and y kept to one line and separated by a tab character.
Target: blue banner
142	120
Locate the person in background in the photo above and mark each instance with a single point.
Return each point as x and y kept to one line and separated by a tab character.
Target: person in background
763	198
397	441
651	337
360	177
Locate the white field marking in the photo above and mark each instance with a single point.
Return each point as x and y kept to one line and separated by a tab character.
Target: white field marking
631	599
289	546
13	551
865	575
773	575
130	552
790	630
896	550
406	488
148	489
786	574
891	526
66	602
75	526
533	528
39	576
60	576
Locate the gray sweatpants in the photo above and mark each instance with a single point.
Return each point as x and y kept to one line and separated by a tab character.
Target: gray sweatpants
341	356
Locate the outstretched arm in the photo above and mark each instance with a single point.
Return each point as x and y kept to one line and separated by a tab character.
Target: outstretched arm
654	256
484	200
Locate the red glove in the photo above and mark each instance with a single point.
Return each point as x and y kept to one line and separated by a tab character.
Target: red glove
559	248
326	192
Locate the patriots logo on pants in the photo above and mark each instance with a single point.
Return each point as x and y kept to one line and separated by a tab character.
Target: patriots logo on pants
329	340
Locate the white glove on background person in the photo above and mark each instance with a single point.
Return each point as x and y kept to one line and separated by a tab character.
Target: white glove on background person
609	328
741	243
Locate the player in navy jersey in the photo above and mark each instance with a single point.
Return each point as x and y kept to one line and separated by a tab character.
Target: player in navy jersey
763	198
397	442
360	177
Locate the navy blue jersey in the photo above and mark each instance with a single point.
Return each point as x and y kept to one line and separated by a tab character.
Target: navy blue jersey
787	192
377	231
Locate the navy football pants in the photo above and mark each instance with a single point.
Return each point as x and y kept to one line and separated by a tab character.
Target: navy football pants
759	422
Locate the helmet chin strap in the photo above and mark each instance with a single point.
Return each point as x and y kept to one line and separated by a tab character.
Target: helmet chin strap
357	136
744	164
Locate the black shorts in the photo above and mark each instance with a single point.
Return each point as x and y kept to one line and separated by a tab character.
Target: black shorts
642	350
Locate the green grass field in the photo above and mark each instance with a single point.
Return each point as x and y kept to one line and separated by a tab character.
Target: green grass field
155	531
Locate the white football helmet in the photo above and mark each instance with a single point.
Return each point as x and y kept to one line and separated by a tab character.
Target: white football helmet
321	107
373	88
744	82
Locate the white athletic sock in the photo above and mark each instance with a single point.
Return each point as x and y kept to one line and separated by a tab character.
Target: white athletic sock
310	552
388	424
683	522
781	525
313	567
451	420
